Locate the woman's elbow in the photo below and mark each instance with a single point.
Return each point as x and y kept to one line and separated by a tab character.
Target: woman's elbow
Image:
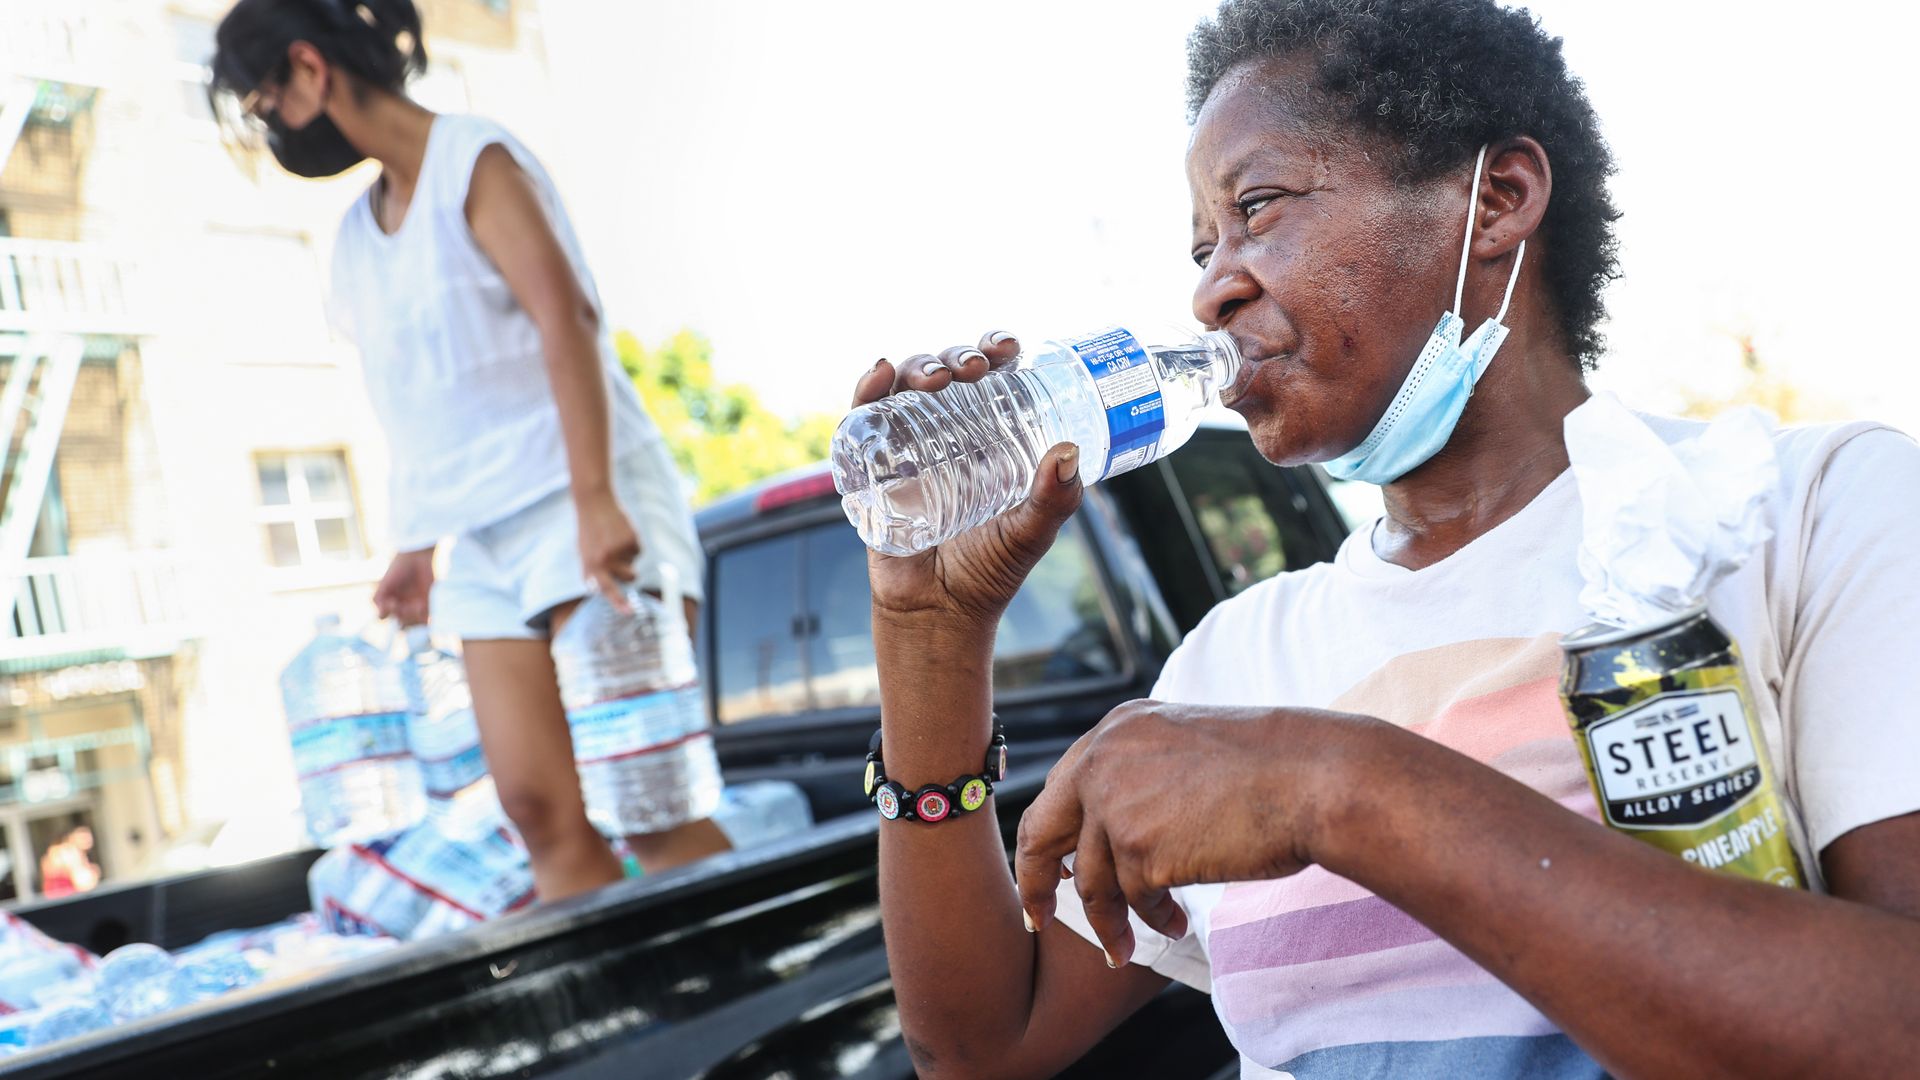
963	1062
570	327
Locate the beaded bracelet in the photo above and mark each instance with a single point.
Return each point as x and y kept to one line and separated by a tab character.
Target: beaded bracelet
936	802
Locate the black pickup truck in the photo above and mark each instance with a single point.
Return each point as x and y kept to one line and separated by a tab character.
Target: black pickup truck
767	962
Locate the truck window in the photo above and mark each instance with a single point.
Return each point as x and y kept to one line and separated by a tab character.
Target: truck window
840	650
756	617
1244	510
1056	629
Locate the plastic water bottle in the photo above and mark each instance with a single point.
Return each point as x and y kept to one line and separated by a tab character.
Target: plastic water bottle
446	742
35	970
27	978
140	980
762	811
917	469
67	1022
347	715
420	883
14	1028
632	693
218	973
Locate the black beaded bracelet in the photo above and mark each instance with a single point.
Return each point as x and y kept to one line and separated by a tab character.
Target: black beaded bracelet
935	802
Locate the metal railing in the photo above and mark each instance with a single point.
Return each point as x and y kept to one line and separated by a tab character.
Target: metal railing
53	285
136	602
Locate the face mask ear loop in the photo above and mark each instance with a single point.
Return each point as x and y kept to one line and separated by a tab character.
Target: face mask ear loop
1519	257
1466	244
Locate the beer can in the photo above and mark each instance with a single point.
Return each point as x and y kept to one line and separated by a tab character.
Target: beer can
1666	729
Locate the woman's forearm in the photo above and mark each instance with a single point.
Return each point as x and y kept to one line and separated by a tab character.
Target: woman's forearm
1654	966
572	352
978	995
962	965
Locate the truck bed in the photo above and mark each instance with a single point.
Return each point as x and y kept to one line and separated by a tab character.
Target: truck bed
761	963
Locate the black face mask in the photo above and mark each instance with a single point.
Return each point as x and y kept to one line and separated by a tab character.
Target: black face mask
315	151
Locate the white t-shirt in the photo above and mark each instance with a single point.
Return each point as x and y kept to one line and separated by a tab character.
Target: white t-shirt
1315	975
452	362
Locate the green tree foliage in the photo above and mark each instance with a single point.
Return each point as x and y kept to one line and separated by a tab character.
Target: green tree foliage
721	434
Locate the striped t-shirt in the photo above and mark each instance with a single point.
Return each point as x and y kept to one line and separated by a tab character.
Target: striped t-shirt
1315	976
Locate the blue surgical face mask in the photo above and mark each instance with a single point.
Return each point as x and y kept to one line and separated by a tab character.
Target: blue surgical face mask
1422	416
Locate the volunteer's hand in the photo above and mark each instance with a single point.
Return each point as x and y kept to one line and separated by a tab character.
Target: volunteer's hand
404	589
1160	795
965	583
608	546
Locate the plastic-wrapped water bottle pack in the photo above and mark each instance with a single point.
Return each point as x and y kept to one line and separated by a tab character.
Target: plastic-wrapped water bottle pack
52	992
421	883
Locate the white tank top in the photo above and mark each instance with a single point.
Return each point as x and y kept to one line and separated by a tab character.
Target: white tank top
452	362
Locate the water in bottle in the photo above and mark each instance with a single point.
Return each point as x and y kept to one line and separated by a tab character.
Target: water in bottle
218	973
633	701
446	742
36	970
347	716
140	980
916	469
67	1022
762	811
420	883
14	1028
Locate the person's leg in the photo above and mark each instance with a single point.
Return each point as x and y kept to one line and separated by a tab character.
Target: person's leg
523	731
681	844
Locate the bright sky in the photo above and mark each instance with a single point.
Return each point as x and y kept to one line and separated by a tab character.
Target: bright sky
815	185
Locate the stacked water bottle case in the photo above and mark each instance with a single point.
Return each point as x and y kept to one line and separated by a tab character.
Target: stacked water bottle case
393	780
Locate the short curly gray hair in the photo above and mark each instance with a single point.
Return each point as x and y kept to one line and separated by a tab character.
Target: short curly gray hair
1438	79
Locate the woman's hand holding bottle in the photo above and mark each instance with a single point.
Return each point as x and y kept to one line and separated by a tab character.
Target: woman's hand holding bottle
962	586
404	589
608	545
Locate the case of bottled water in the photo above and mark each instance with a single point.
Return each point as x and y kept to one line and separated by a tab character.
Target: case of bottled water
639	725
71	994
347	717
68	1021
446	742
420	883
916	469
35	970
141	980
762	811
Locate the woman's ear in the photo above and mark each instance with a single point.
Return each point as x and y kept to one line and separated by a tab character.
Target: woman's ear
1513	196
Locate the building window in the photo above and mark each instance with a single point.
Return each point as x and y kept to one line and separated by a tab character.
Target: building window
306	508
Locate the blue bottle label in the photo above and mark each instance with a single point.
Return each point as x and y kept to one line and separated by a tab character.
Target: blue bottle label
331	742
1129	389
447	777
636	725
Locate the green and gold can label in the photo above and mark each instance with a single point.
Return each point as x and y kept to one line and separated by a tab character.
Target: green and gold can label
1665	727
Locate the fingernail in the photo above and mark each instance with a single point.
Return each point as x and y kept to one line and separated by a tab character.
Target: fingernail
932	368
1111	962
876	365
1027	917
971	355
998	337
1068	466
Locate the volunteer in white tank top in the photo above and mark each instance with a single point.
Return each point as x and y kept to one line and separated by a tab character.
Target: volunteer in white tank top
512	428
